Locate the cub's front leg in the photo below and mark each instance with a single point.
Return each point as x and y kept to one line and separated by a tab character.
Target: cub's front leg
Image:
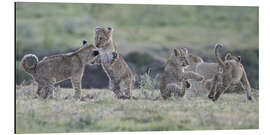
116	88
192	75
76	83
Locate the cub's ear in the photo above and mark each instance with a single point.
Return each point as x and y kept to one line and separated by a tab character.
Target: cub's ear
239	58
110	30
176	52
97	29
185	50
228	56
84	42
181	51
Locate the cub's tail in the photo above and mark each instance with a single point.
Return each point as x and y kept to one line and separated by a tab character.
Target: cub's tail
29	63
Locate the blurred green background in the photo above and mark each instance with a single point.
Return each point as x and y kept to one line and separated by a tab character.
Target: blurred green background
143	33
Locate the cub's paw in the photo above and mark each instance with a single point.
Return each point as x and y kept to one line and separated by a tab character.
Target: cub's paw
250	98
187	84
210	96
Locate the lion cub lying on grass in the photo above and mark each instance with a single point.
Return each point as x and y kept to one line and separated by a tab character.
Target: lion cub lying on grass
58	68
117	70
175	78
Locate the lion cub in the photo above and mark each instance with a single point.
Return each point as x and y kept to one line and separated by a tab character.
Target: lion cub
212	74
117	70
175	78
233	73
58	68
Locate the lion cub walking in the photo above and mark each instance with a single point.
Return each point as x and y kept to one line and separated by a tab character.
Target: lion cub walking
58	68
117	70
175	78
233	73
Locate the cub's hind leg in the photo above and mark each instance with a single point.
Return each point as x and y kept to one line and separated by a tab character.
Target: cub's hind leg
244	84
116	88
40	86
213	85
125	88
212	91
166	93
173	88
180	92
48	91
247	90
220	91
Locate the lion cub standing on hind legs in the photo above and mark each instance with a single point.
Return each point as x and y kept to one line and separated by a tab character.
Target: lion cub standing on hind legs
58	68
175	78
117	70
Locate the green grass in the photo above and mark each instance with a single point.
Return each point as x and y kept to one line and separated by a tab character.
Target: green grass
106	113
46	27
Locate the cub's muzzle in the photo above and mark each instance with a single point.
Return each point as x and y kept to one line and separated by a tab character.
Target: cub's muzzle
95	53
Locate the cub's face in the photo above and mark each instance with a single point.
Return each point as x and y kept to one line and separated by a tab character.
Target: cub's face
233	64
92	55
90	51
179	58
192	59
103	36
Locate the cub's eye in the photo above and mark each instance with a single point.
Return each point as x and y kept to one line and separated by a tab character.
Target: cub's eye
100	38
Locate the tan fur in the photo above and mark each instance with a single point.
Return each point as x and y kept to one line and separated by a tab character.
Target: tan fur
233	73
117	70
175	78
57	68
207	70
213	84
210	71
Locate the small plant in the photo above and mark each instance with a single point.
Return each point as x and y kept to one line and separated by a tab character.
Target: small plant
26	90
148	85
255	93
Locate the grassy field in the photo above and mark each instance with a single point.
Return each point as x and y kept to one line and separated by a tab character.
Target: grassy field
101	111
49	28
